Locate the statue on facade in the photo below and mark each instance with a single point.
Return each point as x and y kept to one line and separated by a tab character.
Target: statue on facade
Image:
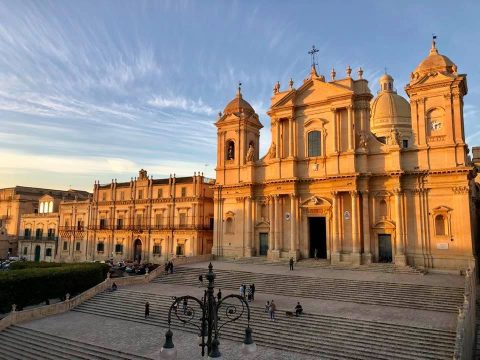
142	174
230	152
394	137
272	152
363	143
250	153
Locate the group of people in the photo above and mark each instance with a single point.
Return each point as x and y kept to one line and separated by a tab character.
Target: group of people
168	267
271	308
247	293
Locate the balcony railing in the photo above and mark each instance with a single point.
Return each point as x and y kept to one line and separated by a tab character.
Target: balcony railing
72	228
152	227
38	238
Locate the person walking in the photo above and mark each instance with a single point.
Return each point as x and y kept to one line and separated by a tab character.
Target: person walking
298	309
219	295
166	267
171	267
200	278
267	306
249	297
315	254
291	263
253	291
272	310
242	293
147	309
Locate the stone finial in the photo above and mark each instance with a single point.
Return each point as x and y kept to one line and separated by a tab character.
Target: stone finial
360	73
14	307
276	88
290	84
349	71
333	73
67	296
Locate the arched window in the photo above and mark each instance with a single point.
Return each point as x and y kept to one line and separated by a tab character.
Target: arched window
314	143
230	150
229	226
50	207
41	208
382	208
440	225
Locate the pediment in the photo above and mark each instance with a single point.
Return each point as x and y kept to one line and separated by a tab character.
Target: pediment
432	78
442	208
229	214
262	223
316	201
313	90
384	224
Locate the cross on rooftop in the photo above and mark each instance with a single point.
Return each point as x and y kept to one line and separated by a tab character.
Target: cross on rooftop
312	53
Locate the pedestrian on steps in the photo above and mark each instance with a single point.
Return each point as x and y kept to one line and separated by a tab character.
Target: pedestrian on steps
253	291
291	263
272	310
315	254
242	291
267	306
200	278
147	309
219	295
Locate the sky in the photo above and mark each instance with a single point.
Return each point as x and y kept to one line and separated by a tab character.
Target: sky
96	90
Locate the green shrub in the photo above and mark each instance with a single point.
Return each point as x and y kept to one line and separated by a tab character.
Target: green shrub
17	265
34	285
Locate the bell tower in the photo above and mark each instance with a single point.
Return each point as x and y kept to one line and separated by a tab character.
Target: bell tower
436	93
238	138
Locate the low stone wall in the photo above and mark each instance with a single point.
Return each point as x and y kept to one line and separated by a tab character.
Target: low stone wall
16	317
465	337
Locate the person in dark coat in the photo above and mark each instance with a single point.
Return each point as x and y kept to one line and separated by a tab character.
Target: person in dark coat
147	309
244	291
253	291
291	263
298	309
219	295
167	267
200	278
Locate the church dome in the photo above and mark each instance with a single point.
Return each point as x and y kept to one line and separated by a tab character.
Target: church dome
238	105
388	109
436	62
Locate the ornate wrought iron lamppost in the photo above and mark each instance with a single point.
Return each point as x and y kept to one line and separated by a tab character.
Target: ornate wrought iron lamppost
207	320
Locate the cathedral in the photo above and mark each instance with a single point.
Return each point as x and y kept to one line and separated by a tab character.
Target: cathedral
350	177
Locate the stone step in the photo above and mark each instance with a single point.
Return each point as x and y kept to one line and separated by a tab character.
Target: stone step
436	298
134	298
15	353
56	347
331	342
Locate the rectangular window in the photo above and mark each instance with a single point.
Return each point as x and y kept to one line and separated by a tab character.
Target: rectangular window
184	191
100	247
77	246
405	144
119	248
80	225
119	224
183	219
139	220
67	222
314	143
51	233
160	193
104	196
65	246
158	219
48	252
157	250
140	194
25	250
38	234
103	223
122	195
180	250
28	233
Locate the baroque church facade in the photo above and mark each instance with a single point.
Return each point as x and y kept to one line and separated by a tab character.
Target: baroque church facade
349	176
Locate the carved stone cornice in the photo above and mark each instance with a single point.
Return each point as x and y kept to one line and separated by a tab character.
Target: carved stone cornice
461	189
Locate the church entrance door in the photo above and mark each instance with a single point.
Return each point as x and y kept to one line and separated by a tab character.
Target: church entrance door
137	250
384	248
318	237
37	253
263	244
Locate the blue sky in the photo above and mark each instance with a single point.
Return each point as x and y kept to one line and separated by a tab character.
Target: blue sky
99	89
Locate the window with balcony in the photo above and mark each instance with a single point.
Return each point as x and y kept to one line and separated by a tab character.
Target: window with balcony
183	219
138	220
140	194
51	234
158	219
104	196
314	143
184	191
80	225
160	193
38	233
119	223
27	233
122	195
103	223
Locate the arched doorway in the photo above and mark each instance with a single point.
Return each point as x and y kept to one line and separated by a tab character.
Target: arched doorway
37	253
137	250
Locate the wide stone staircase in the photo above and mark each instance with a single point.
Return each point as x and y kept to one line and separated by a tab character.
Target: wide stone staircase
419	297
21	343
325	337
325	264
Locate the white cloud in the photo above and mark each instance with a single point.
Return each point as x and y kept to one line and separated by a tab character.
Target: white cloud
181	103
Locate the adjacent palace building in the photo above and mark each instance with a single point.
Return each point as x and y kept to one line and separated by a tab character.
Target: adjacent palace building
349	177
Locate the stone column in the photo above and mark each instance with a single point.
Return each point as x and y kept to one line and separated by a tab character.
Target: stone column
277	144
290	138
293	227
335	124
350	128
271	217
276	251
336	246
248	221
356	256
399	247
366	227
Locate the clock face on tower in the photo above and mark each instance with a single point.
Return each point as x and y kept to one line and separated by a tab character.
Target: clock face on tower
435	125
